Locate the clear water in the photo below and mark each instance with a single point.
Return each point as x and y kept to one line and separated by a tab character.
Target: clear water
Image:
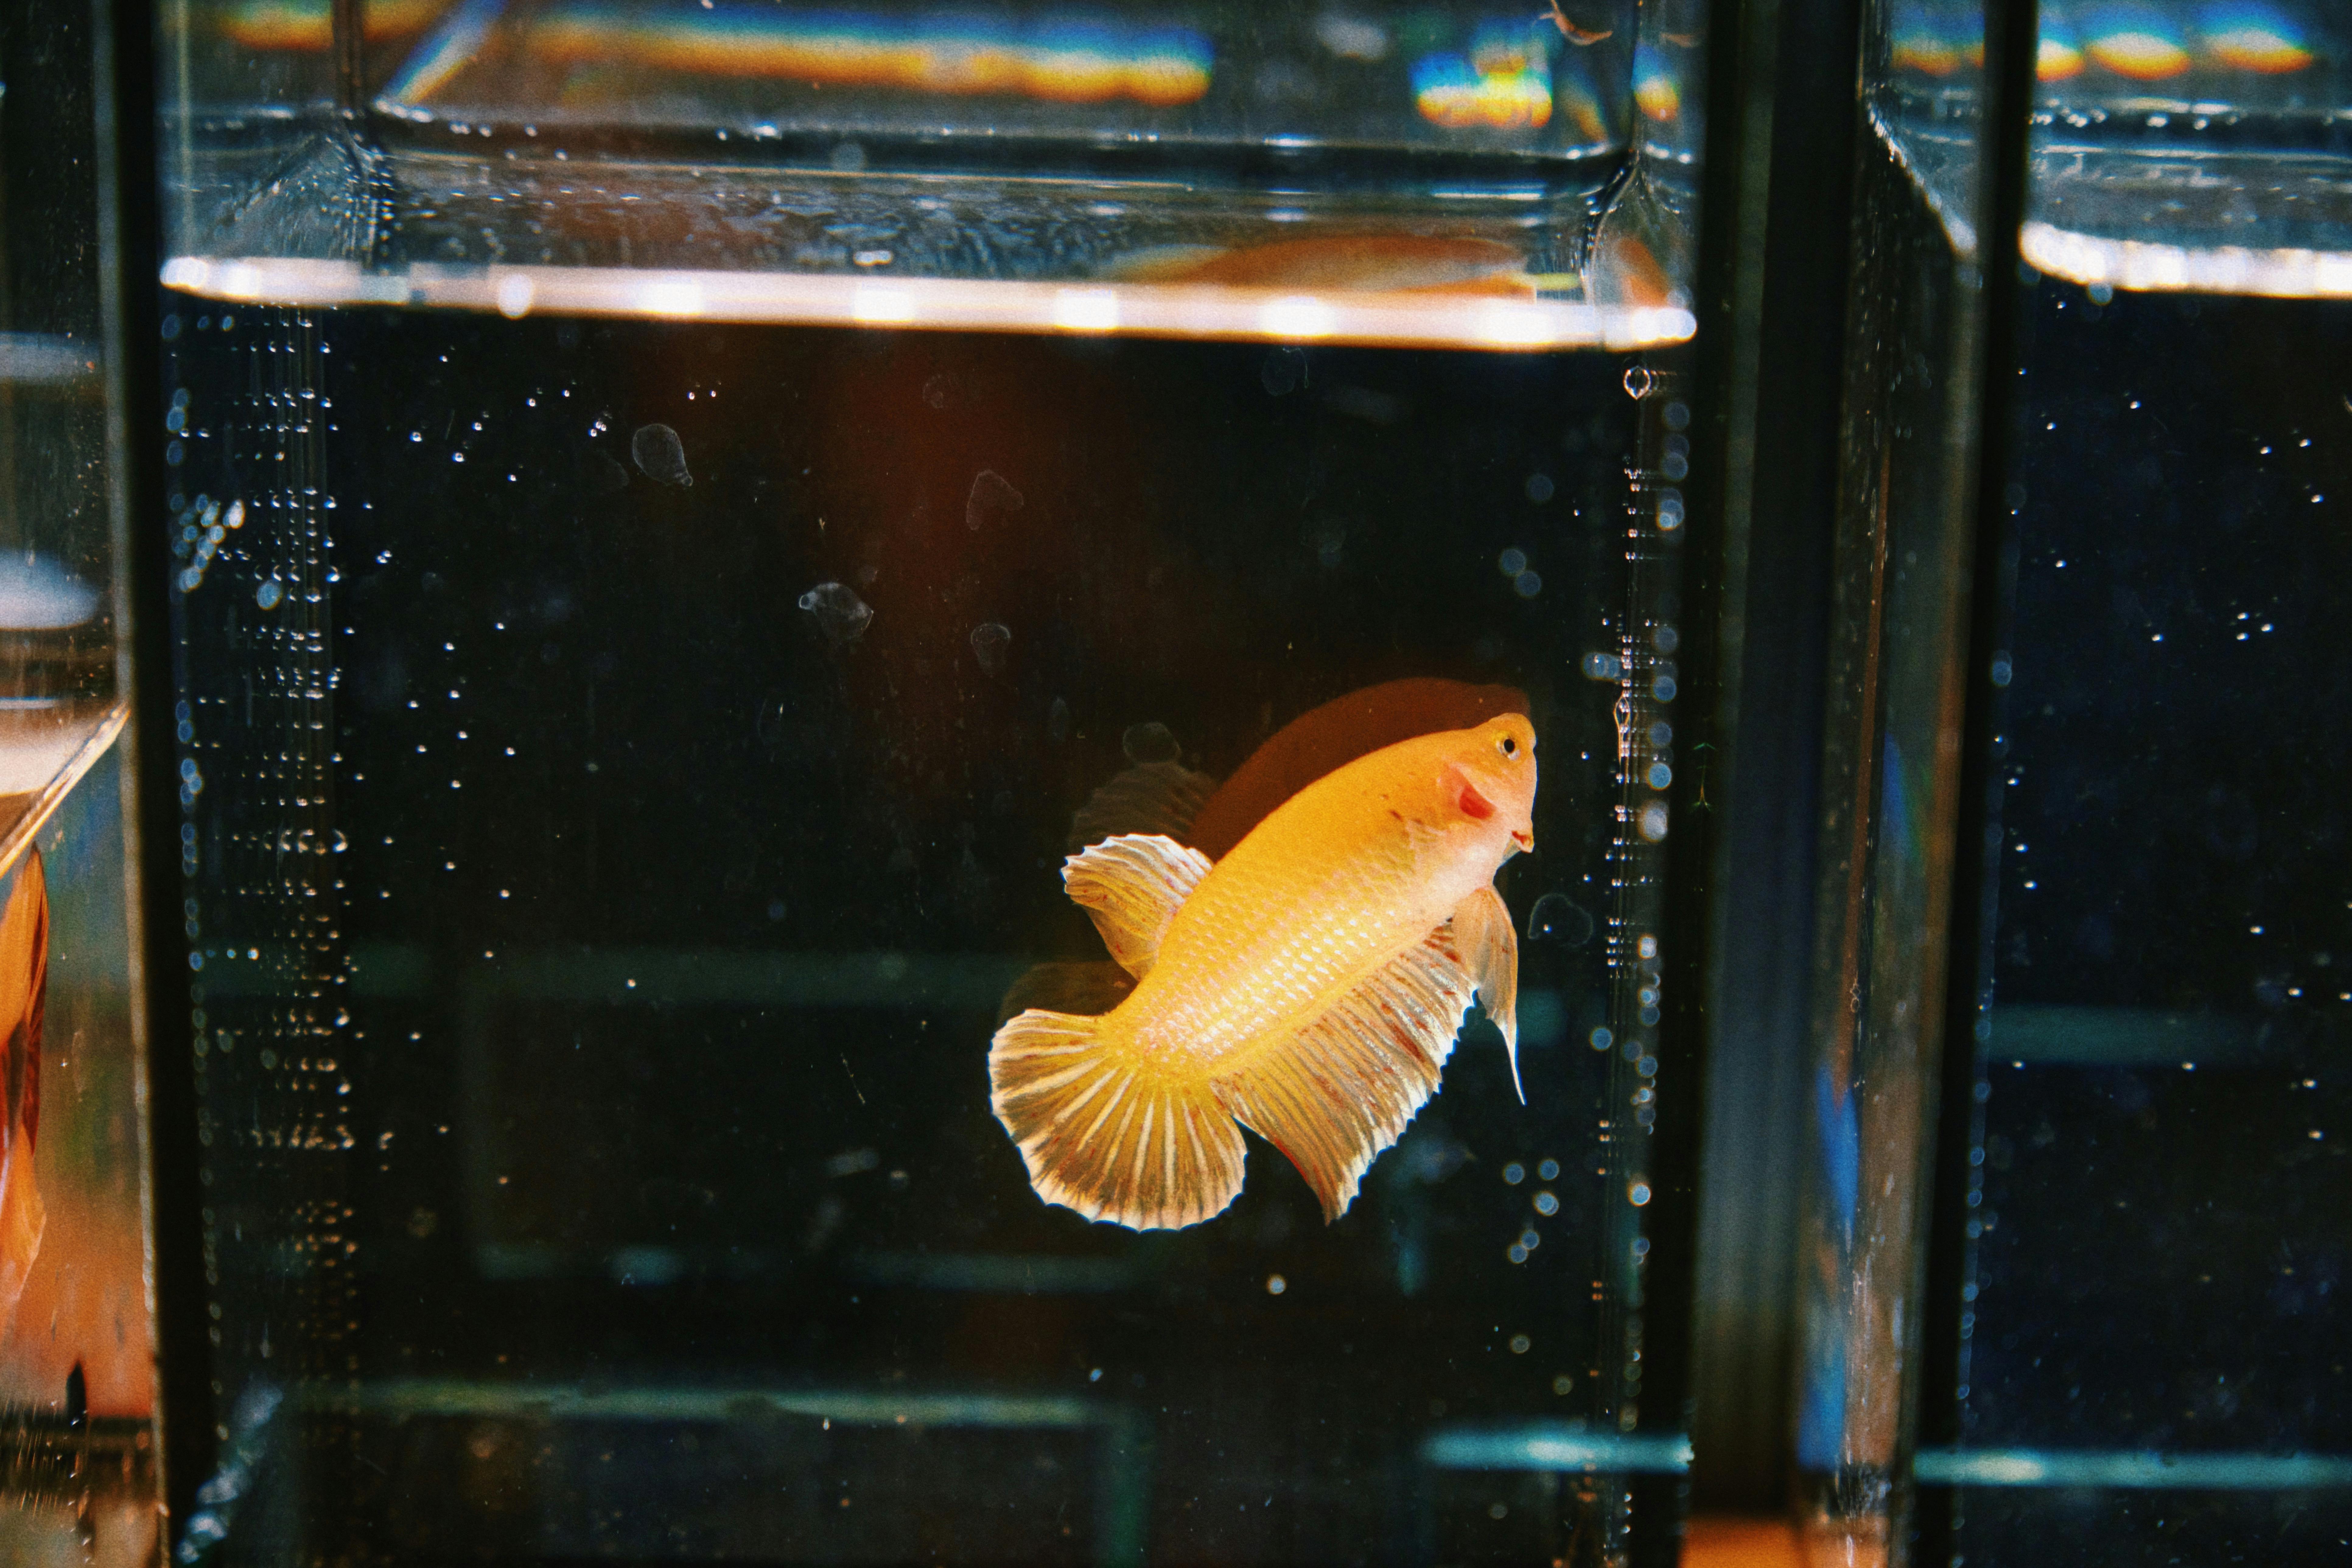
2154	1304
636	759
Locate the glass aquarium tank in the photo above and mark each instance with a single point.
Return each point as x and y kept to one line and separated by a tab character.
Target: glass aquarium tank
2132	1237
707	541
949	782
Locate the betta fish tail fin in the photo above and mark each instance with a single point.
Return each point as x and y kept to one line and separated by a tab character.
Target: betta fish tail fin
1110	1136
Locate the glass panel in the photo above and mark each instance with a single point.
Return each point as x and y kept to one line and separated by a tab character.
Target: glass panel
1916	347
77	1345
639	717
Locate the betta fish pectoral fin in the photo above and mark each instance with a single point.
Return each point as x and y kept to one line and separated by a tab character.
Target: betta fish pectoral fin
1490	946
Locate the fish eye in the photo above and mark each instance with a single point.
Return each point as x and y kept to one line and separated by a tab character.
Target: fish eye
1508	745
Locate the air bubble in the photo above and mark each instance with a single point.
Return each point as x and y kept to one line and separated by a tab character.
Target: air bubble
1282	370
1520	1343
1540	487
271	593
1514	1173
1600	1039
1276	1284
1601	666
1512	561
1547	1200
1558	918
659	455
989	641
840	614
1528	585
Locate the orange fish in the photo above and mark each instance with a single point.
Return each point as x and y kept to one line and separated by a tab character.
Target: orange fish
24	996
1337	732
1310	985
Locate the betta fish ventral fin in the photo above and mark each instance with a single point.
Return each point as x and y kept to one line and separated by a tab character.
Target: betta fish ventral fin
1085	985
1490	947
1114	1137
1338	1091
1132	886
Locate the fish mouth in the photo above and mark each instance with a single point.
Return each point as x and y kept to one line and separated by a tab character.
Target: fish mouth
1526	841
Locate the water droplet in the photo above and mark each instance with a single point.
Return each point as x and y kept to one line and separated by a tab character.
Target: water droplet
1547	1169
1558	918
1600	667
1150	742
989	641
992	496
1540	487
659	455
1512	561
840	614
1528	585
1547	1200
1521	1344
271	593
1514	1173
1638	1193
1602	1040
1654	821
1276	1284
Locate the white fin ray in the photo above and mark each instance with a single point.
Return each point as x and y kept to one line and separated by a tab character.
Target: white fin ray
1341	1090
1106	1135
1132	886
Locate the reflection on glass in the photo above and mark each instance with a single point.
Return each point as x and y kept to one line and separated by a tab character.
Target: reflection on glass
2177	145
1344	174
76	1349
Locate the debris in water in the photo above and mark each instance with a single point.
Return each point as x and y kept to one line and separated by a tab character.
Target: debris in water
840	614
989	642
992	495
659	455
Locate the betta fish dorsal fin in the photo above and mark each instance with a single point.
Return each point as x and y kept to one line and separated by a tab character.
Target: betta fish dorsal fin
1132	886
1335	1094
1490	947
1109	1134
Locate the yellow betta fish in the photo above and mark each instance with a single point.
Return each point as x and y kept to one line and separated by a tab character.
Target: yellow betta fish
1308	986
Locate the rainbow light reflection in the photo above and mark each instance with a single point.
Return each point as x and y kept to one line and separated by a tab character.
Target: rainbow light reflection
2058	55
1502	83
308	25
1061	60
1919	43
2252	38
2139	42
1658	90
